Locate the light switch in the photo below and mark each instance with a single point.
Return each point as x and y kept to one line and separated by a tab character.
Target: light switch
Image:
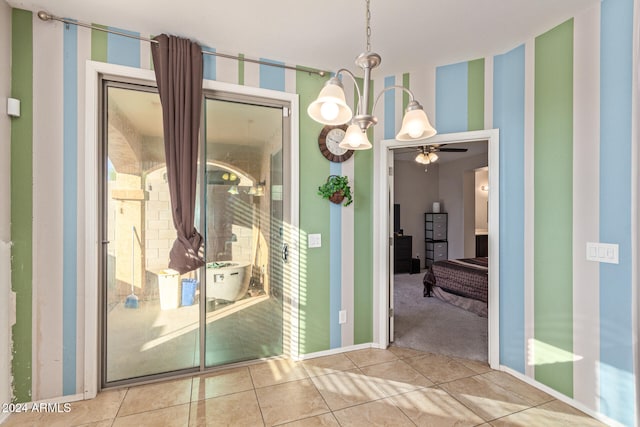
592	251
314	240
603	252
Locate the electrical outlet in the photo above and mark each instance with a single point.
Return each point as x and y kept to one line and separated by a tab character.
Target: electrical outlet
342	316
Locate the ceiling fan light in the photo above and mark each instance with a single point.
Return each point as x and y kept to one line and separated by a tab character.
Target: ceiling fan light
415	125
330	108
432	157
423	158
355	139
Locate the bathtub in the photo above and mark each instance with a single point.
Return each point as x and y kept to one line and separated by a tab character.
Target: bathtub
227	280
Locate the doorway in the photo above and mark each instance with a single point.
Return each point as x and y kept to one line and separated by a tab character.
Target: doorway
436	213
156	323
383	239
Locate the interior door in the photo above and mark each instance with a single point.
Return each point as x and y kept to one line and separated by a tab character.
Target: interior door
390	229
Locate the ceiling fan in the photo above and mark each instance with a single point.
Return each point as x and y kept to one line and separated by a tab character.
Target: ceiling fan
427	153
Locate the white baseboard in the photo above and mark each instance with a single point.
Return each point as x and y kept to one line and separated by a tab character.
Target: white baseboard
336	351
63	399
561	397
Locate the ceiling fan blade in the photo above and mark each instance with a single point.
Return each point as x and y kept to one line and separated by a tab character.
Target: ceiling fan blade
453	150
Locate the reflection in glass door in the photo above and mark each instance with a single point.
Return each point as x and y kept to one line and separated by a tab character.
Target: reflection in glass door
151	314
243	217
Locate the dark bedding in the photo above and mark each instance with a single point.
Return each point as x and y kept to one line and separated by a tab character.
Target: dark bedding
467	277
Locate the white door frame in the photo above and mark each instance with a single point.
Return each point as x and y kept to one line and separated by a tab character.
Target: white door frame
381	251
94	71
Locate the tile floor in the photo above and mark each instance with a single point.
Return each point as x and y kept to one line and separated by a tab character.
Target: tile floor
394	387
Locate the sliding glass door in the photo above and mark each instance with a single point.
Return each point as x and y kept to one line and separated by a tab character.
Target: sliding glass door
156	322
243	223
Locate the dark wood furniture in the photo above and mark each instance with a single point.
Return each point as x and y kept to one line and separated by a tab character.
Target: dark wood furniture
482	245
402	254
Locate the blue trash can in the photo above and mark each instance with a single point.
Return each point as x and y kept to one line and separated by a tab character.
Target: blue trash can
189	287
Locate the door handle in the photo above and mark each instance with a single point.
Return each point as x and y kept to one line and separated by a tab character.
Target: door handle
285	252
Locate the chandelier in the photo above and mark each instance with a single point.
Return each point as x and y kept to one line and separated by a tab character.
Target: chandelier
330	108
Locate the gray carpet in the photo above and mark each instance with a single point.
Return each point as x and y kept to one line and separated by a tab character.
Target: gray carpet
432	325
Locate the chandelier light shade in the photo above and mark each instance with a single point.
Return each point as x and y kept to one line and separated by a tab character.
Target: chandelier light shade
355	139
330	108
415	124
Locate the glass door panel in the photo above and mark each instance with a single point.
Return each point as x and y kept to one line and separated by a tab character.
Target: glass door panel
151	314
243	223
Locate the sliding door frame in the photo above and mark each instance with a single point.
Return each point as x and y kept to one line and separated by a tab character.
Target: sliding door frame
95	73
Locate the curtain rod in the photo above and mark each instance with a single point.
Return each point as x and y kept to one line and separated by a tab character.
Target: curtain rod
45	16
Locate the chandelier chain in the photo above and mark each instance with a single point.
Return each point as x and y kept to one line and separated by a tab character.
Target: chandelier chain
368	27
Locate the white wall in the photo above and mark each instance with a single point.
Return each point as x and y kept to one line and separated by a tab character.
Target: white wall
451	189
5	204
415	190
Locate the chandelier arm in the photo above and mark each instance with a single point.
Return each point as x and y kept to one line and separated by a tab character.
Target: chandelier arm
355	83
411	96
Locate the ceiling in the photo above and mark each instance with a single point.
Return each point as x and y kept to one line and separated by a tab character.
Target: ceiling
328	35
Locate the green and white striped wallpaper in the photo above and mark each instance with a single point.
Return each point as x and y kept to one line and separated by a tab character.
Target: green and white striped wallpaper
563	104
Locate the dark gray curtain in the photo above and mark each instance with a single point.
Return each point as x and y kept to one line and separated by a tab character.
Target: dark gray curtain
178	67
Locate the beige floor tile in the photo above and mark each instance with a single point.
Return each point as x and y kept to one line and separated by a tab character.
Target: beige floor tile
103	408
239	409
221	383
475	365
276	372
174	416
370	356
433	407
403	352
485	398
379	413
291	401
529	393
106	423
324	420
23	419
350	388
439	369
328	365
156	396
551	414
396	377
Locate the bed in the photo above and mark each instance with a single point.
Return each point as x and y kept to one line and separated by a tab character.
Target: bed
462	282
